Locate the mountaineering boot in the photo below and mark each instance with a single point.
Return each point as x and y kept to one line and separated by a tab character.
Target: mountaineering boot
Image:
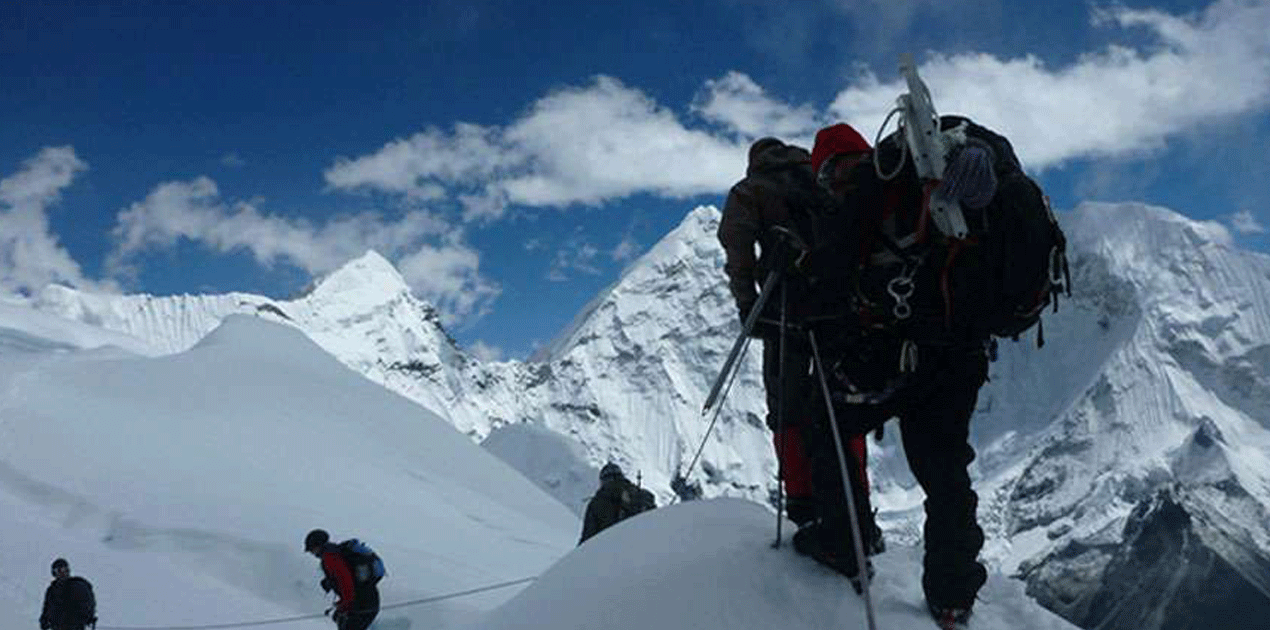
816	541
950	618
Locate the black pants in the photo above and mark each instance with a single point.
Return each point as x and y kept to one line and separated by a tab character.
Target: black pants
827	480
788	388
935	428
794	381
365	609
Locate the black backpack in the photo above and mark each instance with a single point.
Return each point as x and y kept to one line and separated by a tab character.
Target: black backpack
85	606
996	282
365	565
1024	247
632	500
809	246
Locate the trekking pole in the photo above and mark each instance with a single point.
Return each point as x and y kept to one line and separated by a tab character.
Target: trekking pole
780	423
750	320
856	539
680	481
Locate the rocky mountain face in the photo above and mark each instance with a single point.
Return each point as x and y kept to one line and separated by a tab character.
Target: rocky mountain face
1155	376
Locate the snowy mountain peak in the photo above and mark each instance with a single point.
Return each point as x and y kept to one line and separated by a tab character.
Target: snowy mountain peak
683	263
1142	224
368	279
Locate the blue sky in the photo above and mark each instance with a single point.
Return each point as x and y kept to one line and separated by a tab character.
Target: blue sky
512	157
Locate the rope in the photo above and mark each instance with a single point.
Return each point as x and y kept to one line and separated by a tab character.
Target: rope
877	164
278	620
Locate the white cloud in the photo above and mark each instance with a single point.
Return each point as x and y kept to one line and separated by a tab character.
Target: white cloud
1113	102
418	166
232	160
439	267
743	107
606	140
30	255
448	275
626	250
1244	222
486	352
580	145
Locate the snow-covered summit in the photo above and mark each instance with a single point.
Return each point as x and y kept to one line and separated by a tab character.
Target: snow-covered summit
366	281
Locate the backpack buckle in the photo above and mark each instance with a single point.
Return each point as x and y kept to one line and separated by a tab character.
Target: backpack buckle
901	288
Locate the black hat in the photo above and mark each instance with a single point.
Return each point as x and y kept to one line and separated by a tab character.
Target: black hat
60	563
610	471
315	539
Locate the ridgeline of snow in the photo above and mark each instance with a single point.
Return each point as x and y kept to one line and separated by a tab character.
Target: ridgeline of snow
709	564
183	485
1155	375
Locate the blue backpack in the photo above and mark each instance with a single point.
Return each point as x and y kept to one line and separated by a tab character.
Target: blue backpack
365	565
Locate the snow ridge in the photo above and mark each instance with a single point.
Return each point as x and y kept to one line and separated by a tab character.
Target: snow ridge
1164	345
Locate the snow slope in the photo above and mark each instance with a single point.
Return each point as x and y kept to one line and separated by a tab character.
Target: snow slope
1163	347
183	485
709	564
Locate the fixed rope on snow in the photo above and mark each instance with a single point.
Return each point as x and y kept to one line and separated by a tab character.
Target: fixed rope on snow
281	620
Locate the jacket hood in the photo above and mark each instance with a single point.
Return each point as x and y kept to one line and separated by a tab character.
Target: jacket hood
770	153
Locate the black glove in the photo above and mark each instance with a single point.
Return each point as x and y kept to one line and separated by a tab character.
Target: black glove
968	177
788	250
327	585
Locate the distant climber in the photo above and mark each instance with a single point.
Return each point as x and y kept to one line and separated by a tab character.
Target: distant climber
68	602
352	570
616	500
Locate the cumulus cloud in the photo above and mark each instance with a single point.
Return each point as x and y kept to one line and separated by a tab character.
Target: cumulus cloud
743	107
1113	102
578	145
605	140
1244	222
30	255
433	257
448	275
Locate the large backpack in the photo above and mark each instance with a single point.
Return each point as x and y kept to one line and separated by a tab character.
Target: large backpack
632	500
84	608
365	565
996	282
812	239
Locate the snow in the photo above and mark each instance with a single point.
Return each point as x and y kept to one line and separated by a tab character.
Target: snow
709	564
182	485
1168	330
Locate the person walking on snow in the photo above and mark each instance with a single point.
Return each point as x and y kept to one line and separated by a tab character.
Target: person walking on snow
68	602
616	500
940	360
778	196
358	602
